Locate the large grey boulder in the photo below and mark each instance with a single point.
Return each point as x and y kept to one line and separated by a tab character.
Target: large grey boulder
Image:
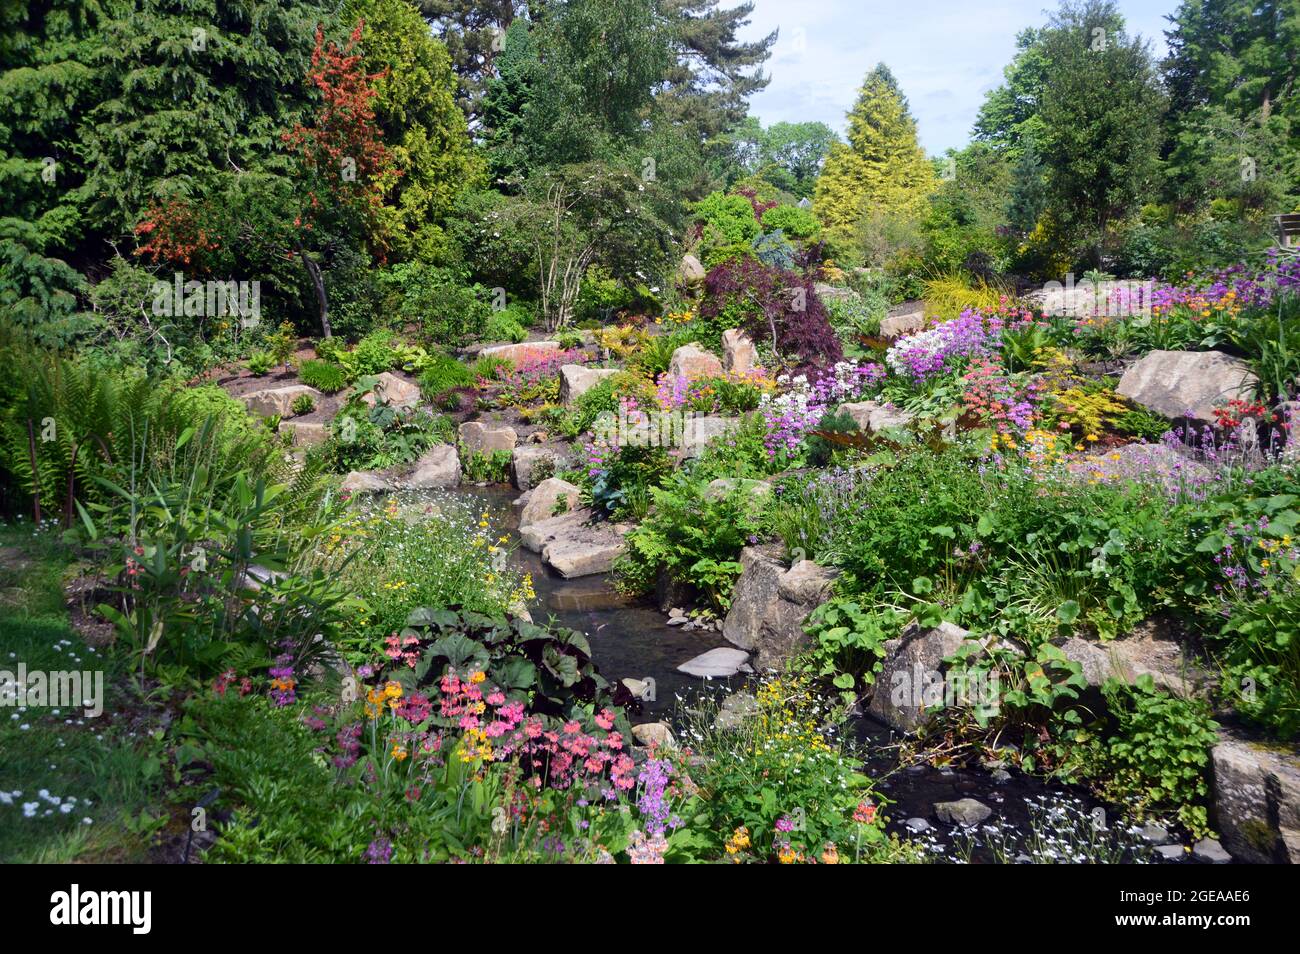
1257	800
872	416
913	684
577	379
543	499
739	356
529	461
770	604
278	402
438	468
690	271
967	812
1148	652
479	438
693	361
1186	384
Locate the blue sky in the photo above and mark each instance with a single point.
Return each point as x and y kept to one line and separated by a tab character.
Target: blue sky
946	54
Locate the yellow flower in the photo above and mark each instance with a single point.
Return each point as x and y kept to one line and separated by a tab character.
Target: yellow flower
399	752
478	677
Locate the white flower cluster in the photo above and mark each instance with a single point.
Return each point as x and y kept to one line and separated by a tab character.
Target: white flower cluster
63	805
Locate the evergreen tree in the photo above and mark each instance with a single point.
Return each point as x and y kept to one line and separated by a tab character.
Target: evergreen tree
881	169
425	129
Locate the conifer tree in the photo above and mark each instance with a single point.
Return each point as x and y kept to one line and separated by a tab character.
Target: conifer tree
881	168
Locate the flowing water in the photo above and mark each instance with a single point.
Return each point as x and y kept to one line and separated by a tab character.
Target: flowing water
631	639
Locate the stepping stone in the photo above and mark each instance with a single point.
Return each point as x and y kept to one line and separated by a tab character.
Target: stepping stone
1209	851
965	811
718	663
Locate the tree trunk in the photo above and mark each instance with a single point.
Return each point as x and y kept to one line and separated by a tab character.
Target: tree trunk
318	286
36	477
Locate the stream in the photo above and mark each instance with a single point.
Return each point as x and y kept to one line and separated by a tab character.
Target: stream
632	639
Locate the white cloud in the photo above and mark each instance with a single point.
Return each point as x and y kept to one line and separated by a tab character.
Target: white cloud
946	55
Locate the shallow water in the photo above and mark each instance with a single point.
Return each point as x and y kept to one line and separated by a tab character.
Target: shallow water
631	639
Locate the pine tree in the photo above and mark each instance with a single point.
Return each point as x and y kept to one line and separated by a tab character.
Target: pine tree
881	169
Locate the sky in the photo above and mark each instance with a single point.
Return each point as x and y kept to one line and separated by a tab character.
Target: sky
946	55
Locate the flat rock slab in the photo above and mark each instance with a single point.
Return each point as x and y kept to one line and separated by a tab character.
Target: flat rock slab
718	663
516	353
588	551
1186	384
393	390
306	433
693	361
895	326
529	462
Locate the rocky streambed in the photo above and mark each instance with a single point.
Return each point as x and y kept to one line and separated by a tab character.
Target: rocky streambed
984	813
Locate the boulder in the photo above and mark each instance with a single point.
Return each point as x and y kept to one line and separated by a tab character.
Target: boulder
872	416
896	326
393	390
365	482
720	663
589	550
536	536
697	431
654	734
828	292
577	379
278	402
722	486
543	498
770	603
526	461
437	468
739	356
1208	851
690	271
1144	653
692	361
479	438
306	433
1186	384
965	811
515	353
1257	800
806	583
910	685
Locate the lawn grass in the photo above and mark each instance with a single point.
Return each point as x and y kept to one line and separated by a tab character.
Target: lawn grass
112	771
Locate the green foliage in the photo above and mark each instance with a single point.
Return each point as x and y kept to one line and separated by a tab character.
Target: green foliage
303	404
447	311
694	537
444	373
492	467
1156	758
260	363
504	326
325	376
796	222
881	168
848	643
